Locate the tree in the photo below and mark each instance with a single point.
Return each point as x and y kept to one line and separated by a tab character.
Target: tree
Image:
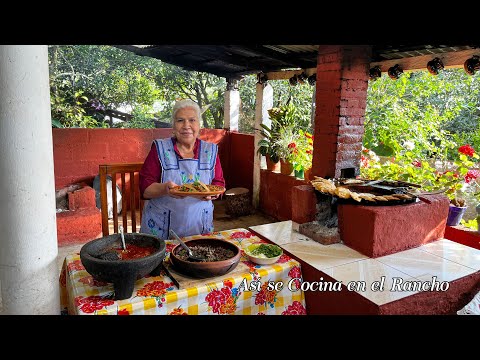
433	112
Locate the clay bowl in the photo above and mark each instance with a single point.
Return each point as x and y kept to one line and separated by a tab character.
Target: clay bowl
122	273
205	269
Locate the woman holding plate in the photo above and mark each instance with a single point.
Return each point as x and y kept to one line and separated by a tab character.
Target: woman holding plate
181	159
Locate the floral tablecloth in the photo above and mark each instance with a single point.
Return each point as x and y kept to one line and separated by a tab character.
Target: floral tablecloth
81	294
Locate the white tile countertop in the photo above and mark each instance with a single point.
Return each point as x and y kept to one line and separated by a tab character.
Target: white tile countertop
444	259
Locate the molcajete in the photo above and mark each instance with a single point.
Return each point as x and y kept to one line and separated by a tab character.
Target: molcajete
205	269
122	273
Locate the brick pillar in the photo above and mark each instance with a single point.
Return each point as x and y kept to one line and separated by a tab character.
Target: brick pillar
341	96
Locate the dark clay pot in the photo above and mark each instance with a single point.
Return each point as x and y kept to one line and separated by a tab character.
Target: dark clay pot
209	268
122	273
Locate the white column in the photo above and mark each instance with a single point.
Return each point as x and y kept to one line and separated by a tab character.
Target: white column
263	102
232	105
28	240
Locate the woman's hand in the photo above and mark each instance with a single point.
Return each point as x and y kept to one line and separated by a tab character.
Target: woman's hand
211	197
170	185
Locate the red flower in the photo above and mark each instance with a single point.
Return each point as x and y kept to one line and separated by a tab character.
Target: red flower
91	303
284	258
265	295
123	312
227	283
295	309
471	175
178	311
295	273
75	266
292	145
309	152
241	235
467	150
364	161
417	163
156	288
217	298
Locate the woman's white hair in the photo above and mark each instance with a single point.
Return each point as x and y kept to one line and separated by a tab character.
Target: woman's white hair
187	103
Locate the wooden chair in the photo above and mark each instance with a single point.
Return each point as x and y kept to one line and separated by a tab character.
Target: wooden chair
130	195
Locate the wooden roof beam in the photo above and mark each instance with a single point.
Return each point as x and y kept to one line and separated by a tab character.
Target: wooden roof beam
287	74
452	59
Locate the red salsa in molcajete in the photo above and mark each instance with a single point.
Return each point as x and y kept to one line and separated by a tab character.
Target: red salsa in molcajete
134	252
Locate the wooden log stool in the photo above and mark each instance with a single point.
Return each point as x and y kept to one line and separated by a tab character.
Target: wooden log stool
238	202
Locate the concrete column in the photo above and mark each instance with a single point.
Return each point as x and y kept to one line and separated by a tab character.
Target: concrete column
28	241
263	102
232	105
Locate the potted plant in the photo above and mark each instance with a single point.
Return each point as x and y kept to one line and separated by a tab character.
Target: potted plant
286	145
456	211
267	148
302	154
282	118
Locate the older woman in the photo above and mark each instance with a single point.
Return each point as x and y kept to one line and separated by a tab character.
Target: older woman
174	161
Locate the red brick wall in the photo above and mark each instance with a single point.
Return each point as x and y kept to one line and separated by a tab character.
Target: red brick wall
276	194
78	152
341	94
240	168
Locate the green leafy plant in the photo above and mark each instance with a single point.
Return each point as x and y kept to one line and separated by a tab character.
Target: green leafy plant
471	224
456	178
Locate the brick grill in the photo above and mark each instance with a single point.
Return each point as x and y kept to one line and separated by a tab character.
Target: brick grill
341	97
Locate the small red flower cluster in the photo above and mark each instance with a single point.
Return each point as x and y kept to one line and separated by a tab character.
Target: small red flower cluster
155	289
295	309
295	273
467	150
221	301
75	266
240	235
91	303
471	175
265	295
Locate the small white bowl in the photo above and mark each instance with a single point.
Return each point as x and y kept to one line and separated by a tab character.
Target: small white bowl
261	260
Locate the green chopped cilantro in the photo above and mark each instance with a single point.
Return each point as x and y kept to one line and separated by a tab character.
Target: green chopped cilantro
269	250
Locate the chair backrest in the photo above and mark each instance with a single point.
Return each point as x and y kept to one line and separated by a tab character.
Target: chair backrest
130	195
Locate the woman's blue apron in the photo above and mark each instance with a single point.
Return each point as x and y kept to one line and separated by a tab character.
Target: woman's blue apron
189	215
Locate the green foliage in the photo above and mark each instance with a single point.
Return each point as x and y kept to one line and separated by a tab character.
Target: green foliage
142	118
455	178
436	113
119	78
300	97
71	113
303	151
472	224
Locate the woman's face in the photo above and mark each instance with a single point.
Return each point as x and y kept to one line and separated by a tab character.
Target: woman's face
186	126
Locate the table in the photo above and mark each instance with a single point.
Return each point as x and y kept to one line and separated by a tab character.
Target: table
82	295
